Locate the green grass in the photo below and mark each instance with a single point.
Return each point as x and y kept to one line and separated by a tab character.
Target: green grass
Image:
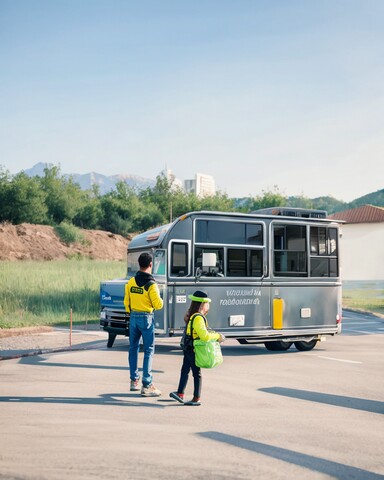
365	296
42	293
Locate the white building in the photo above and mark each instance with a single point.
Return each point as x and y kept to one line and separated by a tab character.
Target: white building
175	182
202	185
362	243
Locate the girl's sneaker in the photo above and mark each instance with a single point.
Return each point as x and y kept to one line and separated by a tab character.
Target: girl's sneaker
176	396
193	403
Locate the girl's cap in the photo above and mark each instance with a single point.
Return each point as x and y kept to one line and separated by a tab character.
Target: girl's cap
199	296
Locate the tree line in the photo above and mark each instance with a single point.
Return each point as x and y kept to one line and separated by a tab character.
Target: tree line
55	199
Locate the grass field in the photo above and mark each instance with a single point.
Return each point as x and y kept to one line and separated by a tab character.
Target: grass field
366	296
42	293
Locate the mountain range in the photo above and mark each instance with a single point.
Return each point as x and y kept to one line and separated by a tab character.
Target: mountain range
88	180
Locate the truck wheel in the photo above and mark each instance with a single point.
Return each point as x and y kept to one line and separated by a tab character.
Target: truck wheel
111	339
306	346
277	346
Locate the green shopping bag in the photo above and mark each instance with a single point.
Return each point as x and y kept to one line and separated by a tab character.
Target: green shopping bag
207	354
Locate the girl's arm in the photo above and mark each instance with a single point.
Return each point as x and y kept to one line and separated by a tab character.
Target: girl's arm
200	330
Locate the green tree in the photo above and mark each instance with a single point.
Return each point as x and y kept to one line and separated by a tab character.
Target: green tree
161	196
64	197
150	217
90	214
121	209
218	202
300	202
24	200
270	198
329	204
5	182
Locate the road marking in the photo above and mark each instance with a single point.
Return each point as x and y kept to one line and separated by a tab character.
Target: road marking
339	360
365	323
362	331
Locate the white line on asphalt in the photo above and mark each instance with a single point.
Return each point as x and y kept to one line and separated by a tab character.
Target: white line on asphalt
362	323
338	359
361	331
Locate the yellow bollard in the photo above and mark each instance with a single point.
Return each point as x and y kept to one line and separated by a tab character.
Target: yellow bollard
278	307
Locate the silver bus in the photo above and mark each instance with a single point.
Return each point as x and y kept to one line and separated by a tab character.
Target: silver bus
273	276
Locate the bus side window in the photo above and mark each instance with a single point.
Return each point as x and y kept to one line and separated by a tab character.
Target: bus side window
211	271
324	261
237	262
290	256
256	263
179	259
244	262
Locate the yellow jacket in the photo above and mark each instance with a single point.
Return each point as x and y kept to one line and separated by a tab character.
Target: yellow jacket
200	329
142	294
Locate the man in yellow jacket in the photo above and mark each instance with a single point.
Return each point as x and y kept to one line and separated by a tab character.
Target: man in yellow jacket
141	299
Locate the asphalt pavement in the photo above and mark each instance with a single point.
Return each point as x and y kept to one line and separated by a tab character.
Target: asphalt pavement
274	415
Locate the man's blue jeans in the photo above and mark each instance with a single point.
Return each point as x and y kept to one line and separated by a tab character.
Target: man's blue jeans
141	325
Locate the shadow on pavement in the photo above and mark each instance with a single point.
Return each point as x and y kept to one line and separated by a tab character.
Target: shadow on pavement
372	406
108	399
326	467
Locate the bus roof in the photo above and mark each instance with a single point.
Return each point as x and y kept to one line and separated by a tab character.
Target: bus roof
155	236
292	212
150	238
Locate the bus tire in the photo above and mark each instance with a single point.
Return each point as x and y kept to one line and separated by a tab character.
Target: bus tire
277	346
306	346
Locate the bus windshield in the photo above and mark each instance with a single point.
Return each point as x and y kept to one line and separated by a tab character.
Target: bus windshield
158	267
159	263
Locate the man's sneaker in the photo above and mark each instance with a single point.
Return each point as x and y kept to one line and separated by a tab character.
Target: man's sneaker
176	397
150	391
135	385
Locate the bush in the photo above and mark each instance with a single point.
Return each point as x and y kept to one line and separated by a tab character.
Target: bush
68	233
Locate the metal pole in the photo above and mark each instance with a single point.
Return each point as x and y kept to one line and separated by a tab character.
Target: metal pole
70	328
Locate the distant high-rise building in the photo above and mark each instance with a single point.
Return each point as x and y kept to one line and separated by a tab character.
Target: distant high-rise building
202	185
175	182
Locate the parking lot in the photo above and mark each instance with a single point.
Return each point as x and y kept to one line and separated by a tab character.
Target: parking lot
301	415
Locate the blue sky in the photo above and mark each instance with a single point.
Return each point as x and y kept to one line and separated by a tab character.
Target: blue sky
256	93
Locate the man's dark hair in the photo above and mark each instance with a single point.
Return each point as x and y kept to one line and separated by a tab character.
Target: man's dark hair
145	260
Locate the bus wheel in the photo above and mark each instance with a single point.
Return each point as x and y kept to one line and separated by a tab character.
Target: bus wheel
277	346
306	346
242	341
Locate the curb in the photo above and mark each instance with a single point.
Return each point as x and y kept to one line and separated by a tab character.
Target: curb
47	351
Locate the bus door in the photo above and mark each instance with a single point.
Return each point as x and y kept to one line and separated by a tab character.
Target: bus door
159	274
